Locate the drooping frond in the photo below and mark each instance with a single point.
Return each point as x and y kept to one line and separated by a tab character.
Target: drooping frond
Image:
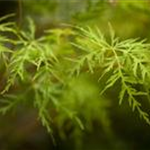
126	62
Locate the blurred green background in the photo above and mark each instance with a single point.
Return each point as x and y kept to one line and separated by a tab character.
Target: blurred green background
108	126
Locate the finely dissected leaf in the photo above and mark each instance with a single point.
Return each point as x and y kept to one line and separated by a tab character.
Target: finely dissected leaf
108	67
113	38
135	105
131	79
4	49
31	28
6	17
78	66
111	81
122	93
145	71
135	68
123	60
8	103
138	93
144	115
39	64
79	122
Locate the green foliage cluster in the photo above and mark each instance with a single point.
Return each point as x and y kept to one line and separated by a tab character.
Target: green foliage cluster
55	73
125	61
36	71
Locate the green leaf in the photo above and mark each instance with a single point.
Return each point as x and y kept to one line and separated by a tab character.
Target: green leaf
122	93
111	81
